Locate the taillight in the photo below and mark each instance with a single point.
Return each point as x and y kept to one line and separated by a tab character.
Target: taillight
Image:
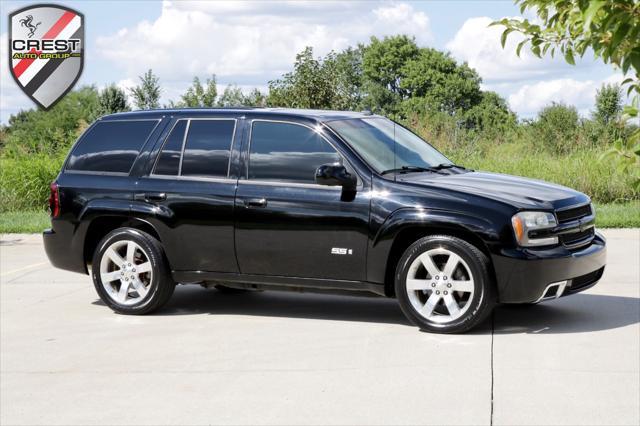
54	200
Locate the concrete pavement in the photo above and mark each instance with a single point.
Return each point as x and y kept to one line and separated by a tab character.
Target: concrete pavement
282	358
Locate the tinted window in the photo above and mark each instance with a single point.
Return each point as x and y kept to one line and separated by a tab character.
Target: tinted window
111	146
287	152
206	151
169	160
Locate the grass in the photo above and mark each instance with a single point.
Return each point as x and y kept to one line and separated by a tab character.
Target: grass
24	222
621	215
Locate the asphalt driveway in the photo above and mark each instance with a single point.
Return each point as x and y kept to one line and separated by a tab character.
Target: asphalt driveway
284	358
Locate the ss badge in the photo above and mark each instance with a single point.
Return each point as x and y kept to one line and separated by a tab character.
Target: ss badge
338	250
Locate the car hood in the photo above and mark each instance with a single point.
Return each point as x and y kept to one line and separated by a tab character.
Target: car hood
522	193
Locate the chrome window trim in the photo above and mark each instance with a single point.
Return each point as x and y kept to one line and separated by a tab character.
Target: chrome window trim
286	183
105	173
194	178
96	173
289	184
184	143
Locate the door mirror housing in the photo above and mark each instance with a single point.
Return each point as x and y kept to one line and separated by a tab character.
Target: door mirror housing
336	175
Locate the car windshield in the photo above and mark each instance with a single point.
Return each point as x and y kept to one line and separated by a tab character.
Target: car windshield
373	138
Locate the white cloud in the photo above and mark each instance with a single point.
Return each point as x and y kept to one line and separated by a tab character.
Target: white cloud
251	42
530	98
12	99
479	44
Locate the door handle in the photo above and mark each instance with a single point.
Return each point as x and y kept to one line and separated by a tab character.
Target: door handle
255	202
151	196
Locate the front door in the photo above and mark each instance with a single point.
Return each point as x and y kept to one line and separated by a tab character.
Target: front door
286	224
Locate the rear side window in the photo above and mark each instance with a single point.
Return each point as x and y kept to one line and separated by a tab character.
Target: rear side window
206	151
287	152
203	153
111	146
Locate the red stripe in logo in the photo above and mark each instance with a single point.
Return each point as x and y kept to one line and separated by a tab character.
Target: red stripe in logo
52	33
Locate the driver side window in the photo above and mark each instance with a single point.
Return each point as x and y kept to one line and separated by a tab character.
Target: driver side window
287	152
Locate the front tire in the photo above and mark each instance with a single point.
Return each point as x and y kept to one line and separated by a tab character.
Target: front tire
130	272
443	284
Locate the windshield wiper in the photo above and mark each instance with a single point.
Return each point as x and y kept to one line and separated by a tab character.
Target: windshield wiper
447	166
434	169
407	169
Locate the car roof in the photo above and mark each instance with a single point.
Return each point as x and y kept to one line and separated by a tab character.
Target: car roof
314	114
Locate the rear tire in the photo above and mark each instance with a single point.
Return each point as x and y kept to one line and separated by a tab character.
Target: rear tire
130	272
443	284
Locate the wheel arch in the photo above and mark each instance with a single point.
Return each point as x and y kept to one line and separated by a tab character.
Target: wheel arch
102	225
404	228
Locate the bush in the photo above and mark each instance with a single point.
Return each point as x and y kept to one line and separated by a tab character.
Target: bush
24	182
557	128
50	132
516	151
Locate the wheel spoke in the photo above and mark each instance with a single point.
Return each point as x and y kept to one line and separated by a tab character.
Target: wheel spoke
124	291
428	307
143	267
108	277
462	285
114	257
413	284
131	250
451	265
139	287
431	267
452	305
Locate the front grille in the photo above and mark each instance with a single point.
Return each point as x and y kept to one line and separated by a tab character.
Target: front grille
570	214
586	280
576	238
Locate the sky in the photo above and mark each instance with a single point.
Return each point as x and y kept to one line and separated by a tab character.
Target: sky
249	43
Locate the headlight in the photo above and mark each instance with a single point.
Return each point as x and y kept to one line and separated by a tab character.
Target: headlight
524	222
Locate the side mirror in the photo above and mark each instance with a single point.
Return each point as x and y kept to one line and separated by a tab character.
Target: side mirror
336	175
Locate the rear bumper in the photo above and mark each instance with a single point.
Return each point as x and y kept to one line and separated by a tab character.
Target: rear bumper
525	275
58	247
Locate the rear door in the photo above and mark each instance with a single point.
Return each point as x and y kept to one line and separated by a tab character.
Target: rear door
189	196
286	224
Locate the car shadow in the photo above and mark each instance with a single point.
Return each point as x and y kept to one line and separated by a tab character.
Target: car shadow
191	299
578	313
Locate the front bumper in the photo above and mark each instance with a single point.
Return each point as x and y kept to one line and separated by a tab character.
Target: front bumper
529	275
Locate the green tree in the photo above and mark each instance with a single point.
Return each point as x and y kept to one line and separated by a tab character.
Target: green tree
147	94
309	85
608	104
255	98
51	132
608	28
346	68
440	83
383	65
232	97
112	99
557	127
491	114
198	95
402	79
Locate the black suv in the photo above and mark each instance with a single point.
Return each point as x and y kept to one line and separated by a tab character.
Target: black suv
261	199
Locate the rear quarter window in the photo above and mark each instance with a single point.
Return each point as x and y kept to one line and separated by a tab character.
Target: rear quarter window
111	146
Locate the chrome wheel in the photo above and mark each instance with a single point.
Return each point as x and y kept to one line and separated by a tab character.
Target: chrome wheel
126	272
440	285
